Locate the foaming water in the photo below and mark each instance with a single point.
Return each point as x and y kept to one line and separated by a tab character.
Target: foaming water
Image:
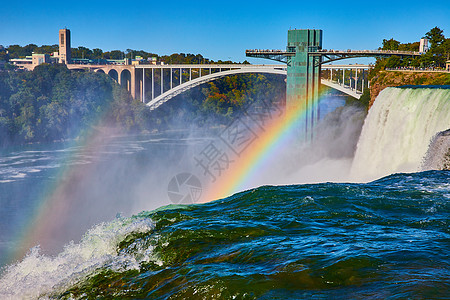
38	275
398	130
383	239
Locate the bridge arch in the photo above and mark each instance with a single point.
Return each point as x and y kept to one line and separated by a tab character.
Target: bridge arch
114	75
99	71
125	79
166	96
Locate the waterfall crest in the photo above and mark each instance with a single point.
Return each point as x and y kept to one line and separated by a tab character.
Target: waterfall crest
398	130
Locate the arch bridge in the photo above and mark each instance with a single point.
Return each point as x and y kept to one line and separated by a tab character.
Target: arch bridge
163	82
189	76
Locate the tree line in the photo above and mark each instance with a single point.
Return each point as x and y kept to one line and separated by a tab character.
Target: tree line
436	56
17	51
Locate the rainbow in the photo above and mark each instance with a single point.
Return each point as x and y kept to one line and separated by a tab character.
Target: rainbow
55	204
259	154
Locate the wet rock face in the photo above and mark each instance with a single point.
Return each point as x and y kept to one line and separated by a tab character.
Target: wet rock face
438	154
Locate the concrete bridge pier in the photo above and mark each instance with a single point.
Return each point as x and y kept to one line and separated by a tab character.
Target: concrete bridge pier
139	82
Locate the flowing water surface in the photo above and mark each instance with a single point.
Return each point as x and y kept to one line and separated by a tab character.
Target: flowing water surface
384	239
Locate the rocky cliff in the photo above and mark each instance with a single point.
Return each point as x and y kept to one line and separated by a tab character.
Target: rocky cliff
398	78
438	155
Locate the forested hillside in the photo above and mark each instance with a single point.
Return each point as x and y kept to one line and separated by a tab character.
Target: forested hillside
54	103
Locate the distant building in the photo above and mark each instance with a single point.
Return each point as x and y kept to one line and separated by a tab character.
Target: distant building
64	46
138	60
38	59
447	65
23	63
423	47
31	61
64	55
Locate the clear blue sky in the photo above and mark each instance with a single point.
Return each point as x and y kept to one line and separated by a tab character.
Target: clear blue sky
218	29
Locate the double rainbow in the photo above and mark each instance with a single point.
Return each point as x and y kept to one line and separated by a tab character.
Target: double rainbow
252	161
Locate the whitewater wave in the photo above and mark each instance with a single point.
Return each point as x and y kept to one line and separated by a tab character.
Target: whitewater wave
39	275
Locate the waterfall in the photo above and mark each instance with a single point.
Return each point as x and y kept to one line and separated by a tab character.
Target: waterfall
398	130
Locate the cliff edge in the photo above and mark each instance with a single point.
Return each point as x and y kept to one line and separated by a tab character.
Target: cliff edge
385	79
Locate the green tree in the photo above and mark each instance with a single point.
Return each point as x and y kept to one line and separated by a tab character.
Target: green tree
81	52
435	36
4	56
409	46
115	54
393	62
446	48
390	44
16	51
47	49
97	53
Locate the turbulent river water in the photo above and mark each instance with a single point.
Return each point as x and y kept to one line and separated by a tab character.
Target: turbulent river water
386	238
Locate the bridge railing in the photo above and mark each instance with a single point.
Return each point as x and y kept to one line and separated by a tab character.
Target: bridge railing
331	51
349	51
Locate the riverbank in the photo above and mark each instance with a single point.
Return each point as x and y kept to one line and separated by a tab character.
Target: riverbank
399	78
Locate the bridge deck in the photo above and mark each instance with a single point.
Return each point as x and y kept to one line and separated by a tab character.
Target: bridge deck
177	66
355	66
210	66
335	52
329	55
